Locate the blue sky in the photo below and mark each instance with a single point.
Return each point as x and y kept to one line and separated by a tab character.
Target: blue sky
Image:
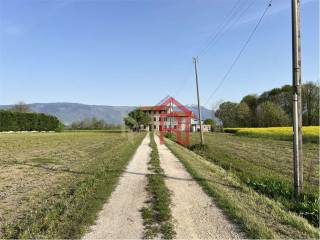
136	52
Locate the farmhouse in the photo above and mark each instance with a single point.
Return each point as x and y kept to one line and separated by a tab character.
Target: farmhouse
174	118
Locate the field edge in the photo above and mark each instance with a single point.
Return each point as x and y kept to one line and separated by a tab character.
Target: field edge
209	176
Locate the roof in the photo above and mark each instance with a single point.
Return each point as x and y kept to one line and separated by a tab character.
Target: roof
163	105
153	108
181	114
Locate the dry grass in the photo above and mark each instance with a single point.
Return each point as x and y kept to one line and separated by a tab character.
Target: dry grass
39	168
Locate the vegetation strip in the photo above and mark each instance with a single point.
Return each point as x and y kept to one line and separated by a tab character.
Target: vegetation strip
26	121
68	208
157	216
265	165
260	216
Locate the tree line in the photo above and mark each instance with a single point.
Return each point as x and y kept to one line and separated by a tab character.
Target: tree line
26	121
93	124
271	109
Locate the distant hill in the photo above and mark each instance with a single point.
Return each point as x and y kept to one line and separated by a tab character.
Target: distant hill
70	112
206	113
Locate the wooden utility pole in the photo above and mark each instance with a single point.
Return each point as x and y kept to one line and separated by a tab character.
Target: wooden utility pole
195	60
297	108
171	111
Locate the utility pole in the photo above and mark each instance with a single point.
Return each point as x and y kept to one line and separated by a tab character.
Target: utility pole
171	111
297	108
195	60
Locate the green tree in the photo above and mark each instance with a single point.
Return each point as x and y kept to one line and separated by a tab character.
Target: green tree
20	121
251	100
270	114
227	113
310	104
137	118
244	115
208	121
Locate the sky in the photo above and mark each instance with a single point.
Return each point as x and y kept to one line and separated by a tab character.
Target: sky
136	52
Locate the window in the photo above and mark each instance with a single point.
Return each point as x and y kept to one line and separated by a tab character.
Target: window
154	119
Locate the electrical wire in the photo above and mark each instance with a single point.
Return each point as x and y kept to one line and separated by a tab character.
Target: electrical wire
240	53
211	40
228	26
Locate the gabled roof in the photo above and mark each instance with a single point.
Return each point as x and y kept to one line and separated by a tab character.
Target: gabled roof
175	102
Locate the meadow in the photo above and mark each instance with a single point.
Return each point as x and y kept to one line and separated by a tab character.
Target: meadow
53	184
266	166
259	216
310	133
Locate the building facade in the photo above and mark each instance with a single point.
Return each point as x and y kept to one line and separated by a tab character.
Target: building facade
175	122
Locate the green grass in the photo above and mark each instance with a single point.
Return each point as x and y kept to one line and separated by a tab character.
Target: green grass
265	165
157	216
310	133
55	183
259	216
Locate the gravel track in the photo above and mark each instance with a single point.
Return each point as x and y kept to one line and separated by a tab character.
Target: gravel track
195	215
120	217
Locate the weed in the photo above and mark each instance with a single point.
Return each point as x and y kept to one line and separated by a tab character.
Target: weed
157	217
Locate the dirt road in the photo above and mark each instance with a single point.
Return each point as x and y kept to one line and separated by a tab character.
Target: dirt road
120	217
195	215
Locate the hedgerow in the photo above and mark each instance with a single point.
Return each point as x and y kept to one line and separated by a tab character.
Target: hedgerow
18	121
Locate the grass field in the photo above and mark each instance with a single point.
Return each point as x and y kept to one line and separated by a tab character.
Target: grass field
310	133
53	184
258	215
266	166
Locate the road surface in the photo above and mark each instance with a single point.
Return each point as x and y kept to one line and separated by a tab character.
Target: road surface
195	216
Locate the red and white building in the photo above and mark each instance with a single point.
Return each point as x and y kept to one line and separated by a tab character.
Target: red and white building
172	118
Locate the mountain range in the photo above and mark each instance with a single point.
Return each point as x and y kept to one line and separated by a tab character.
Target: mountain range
70	112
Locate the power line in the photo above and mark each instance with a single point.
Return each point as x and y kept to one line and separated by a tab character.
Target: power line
223	24
227	26
240	53
212	38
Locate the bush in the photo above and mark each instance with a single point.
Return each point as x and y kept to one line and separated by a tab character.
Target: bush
20	121
230	130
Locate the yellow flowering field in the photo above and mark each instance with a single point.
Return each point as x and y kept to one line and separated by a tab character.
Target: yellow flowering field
310	133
